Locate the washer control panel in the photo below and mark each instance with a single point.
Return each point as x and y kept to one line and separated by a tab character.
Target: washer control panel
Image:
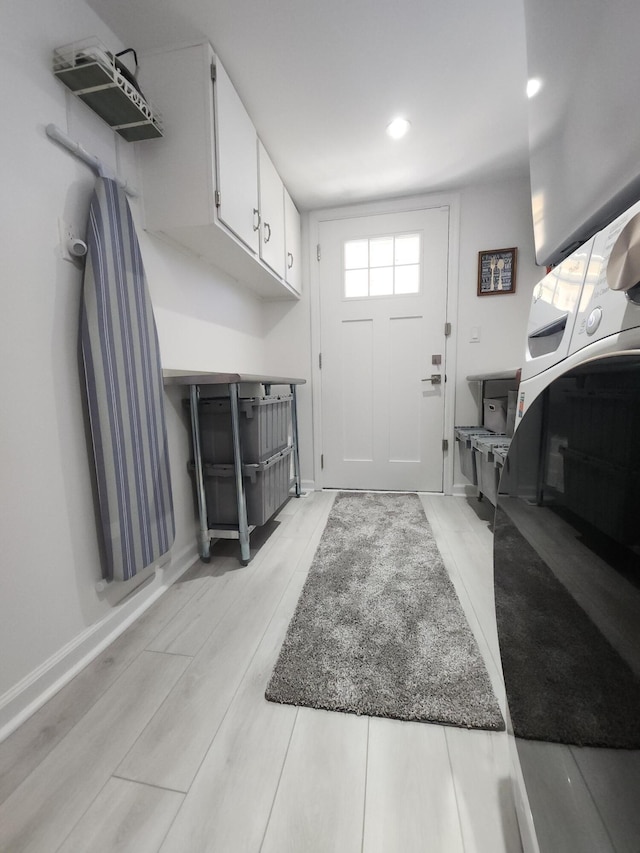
604	311
593	320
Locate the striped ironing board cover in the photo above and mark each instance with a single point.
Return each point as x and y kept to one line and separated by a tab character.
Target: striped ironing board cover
125	391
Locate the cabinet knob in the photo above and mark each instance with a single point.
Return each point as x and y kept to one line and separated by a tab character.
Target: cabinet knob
256	218
267	232
290	260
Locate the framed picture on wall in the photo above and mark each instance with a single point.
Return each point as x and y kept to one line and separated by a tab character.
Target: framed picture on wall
497	271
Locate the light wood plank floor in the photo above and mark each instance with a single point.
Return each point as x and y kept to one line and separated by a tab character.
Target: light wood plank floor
166	744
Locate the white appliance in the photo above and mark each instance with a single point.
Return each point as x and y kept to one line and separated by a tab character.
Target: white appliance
571	500
610	301
583	124
587	306
554	307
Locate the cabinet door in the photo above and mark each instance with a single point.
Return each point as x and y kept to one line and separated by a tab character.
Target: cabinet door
271	213
178	174
236	162
293	245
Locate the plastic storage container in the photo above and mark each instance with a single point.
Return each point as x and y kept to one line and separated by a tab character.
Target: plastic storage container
495	413
486	463
264	428
463	435
500	454
266	486
512	407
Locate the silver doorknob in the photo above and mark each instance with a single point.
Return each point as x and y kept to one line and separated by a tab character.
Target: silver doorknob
435	379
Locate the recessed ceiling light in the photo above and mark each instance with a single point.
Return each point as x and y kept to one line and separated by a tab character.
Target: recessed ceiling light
398	128
533	87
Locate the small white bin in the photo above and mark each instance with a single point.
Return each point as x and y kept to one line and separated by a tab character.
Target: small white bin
495	414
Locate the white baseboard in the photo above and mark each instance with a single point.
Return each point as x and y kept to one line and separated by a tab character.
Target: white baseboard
28	695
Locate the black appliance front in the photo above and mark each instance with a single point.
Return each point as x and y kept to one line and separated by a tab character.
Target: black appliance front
567	589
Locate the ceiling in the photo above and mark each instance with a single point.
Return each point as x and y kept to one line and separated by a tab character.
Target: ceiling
321	79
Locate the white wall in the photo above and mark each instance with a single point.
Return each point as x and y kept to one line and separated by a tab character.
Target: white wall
287	344
492	217
50	611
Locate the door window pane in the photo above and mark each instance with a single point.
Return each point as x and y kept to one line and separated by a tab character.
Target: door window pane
356	254
381	252
408	249
381	281
382	266
356	283
408	279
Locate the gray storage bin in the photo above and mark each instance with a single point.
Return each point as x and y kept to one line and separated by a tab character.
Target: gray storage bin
463	435
264	428
486	463
512	408
266	486
500	454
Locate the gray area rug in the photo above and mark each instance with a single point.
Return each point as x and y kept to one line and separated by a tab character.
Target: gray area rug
565	682
379	629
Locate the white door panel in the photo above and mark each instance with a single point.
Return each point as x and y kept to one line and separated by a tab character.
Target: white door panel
271	213
356	423
293	246
405	410
237	162
382	424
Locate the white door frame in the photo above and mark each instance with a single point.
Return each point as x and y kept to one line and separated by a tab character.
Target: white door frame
398	205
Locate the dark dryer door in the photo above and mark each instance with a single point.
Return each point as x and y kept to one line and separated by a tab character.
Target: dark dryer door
567	587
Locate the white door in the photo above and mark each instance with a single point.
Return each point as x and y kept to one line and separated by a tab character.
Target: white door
383	296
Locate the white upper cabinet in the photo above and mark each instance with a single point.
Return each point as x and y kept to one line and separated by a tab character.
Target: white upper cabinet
271	213
205	184
293	244
236	162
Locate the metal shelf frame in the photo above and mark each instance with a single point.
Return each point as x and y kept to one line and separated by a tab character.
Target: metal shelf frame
194	381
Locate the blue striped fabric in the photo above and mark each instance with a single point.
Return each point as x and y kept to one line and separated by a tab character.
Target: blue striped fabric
125	391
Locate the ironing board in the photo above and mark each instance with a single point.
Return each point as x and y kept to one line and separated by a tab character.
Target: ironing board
125	391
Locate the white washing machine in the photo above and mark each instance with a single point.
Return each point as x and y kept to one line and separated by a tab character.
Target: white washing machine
587	306
609	306
554	307
567	555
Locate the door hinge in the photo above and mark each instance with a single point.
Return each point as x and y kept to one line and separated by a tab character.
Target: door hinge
445	443
217	198
320	360
322	460
213	71
447	329
318	251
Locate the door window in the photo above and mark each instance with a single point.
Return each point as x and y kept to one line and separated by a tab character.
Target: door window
382	266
